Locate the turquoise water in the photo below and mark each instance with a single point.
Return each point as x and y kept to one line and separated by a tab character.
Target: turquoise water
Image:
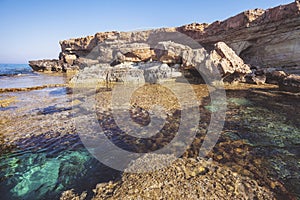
268	123
44	172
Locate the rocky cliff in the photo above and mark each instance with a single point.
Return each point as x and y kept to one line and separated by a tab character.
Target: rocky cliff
264	39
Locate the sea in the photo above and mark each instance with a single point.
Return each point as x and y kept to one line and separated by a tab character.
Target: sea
22	76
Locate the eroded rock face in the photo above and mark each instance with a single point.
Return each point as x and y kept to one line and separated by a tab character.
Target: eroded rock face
151	72
265	38
47	65
53	66
222	58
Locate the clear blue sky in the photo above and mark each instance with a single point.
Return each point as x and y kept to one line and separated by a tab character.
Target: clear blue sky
31	29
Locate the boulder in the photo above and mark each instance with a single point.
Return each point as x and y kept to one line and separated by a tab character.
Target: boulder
222	58
150	72
135	52
155	72
231	66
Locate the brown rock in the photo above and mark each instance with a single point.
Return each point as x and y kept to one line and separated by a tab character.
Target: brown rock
181	181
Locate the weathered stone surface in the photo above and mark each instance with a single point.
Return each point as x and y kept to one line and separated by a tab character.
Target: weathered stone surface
257	76
151	72
275	77
265	38
287	82
221	58
69	58
228	62
156	71
47	65
184	179
135	52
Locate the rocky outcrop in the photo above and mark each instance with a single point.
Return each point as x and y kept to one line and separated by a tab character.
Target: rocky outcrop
53	65
151	72
47	65
221	57
170	57
264	38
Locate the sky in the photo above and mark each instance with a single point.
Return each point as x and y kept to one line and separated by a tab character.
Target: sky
32	29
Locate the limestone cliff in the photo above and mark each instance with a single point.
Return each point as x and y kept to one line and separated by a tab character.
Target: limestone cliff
262	38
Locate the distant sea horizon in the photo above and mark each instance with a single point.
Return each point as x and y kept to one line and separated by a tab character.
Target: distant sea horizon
22	76
8	69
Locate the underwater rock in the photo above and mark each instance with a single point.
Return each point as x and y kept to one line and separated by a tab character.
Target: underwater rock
38	179
40	174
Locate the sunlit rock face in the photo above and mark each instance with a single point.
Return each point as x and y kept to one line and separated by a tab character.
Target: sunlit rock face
171	59
115	48
265	38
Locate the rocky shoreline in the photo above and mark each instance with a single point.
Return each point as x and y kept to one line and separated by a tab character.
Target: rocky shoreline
256	46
